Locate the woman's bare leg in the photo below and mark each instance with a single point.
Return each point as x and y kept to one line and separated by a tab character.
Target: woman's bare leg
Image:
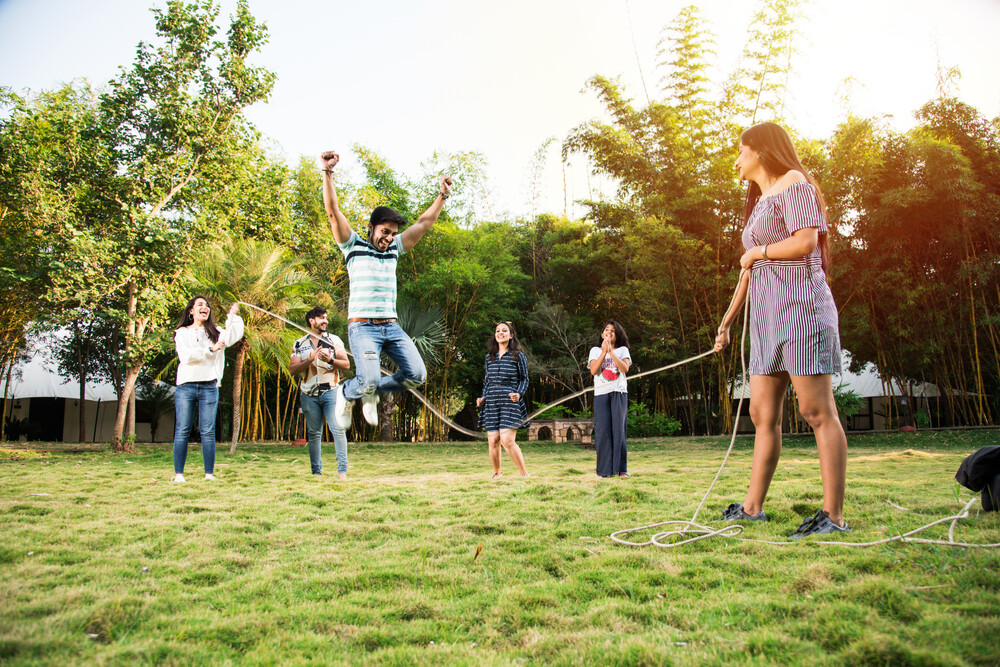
818	408
507	441
493	438
767	398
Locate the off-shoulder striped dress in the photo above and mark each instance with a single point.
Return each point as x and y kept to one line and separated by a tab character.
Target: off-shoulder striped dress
507	375
793	319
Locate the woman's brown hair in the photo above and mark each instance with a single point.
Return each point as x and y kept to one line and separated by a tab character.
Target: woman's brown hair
778	157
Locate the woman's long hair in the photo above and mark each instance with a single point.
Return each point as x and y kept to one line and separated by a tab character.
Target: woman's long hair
187	319
513	345
621	338
778	156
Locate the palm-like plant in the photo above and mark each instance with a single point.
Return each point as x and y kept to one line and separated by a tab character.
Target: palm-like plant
427	329
265	274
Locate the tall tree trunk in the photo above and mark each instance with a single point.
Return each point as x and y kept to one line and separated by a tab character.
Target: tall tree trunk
386	407
6	394
118	442
81	367
241	352
130	420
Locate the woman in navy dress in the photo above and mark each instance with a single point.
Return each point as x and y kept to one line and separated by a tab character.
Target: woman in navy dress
502	402
793	321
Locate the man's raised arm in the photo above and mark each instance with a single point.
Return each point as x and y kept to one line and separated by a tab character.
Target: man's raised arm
414	232
338	223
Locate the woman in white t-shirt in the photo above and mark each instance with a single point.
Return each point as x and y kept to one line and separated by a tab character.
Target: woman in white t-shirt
201	351
609	362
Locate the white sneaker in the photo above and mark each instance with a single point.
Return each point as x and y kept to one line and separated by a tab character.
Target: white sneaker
209	477
178	478
369	408
342	409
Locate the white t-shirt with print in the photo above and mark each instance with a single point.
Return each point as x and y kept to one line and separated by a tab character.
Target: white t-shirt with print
609	379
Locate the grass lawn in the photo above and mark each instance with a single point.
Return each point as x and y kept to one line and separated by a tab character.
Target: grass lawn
103	561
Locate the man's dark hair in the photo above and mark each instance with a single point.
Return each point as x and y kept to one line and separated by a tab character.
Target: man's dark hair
385	214
318	311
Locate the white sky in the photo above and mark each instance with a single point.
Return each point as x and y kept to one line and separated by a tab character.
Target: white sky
408	77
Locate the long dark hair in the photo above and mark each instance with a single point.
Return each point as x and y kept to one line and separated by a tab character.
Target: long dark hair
187	319
513	345
621	338
778	157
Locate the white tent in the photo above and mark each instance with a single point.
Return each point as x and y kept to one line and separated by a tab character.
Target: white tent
36	376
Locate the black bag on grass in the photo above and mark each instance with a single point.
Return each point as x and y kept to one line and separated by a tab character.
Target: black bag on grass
980	471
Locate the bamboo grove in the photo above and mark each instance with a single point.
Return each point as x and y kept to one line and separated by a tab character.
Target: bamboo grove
107	217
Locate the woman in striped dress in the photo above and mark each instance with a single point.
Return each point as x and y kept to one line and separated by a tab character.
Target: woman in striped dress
502	402
793	321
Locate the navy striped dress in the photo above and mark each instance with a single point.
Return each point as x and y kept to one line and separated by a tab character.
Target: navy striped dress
793	319
507	375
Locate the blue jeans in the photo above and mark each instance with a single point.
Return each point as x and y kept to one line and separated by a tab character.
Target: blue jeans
205	395
316	409
367	342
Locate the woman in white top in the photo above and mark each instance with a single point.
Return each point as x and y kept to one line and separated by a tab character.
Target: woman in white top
608	364
201	350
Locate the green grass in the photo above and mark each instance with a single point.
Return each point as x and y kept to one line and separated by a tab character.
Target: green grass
270	565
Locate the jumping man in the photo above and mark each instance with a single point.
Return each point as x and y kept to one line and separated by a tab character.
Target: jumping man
372	327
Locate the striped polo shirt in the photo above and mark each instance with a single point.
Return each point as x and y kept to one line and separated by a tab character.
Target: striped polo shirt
372	275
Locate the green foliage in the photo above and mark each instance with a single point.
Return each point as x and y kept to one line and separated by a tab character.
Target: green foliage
848	401
642	424
563	412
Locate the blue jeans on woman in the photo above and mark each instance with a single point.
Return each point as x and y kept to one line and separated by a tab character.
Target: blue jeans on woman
317	409
204	395
368	341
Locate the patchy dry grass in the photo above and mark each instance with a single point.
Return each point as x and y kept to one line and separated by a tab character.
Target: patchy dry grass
104	561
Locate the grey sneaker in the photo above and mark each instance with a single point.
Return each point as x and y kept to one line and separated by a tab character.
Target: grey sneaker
818	524
735	513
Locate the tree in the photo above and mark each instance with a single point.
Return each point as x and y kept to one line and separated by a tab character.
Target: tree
266	275
56	265
169	123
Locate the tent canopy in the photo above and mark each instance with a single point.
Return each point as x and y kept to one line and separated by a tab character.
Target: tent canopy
37	376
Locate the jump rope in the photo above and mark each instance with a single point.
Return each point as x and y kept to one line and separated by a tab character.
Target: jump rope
684	528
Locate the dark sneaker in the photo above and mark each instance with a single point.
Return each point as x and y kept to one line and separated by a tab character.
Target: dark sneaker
735	513
818	524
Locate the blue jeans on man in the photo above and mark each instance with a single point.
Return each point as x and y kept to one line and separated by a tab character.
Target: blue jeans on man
368	341
204	395
318	409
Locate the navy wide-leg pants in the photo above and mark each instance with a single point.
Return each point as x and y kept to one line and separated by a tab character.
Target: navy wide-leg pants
609	433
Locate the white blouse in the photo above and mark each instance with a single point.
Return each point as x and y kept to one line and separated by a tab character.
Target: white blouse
194	349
